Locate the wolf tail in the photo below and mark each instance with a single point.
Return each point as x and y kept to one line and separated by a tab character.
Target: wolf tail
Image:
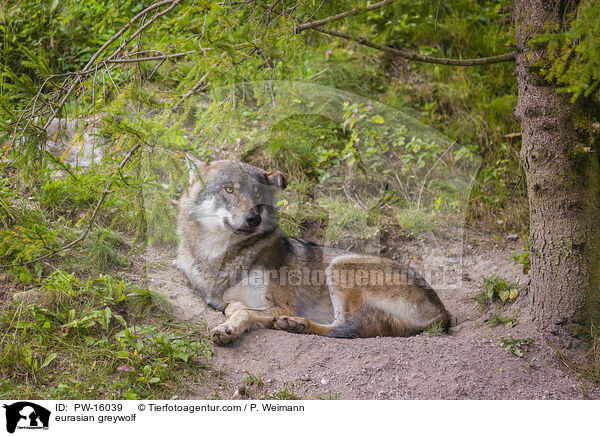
369	322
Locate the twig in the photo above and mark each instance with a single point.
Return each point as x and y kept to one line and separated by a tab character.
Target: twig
192	91
150	58
146	24
437	13
92	218
427	175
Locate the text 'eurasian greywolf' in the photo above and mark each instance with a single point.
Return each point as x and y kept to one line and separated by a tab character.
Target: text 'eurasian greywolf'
233	252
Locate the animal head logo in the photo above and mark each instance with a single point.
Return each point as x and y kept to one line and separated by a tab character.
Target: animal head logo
24	414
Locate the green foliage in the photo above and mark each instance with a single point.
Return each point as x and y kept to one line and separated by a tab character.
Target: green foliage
100	253
9	212
41	37
288	392
574	54
307	147
88	327
254	380
473	105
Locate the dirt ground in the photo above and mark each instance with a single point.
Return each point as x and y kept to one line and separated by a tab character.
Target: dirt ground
468	363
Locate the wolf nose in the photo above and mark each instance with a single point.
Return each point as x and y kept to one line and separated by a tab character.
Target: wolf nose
253	219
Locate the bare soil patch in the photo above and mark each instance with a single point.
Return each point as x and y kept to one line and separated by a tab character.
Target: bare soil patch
468	363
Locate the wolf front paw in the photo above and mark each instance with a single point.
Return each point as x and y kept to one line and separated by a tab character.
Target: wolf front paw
224	334
291	324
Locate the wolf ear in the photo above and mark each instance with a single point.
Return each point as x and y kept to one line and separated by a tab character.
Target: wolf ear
195	167
276	178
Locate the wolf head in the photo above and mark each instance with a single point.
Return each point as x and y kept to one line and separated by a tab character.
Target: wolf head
232	197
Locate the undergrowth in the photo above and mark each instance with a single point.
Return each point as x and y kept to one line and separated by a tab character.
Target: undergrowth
68	339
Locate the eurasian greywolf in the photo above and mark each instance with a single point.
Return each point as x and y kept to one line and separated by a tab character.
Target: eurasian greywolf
233	252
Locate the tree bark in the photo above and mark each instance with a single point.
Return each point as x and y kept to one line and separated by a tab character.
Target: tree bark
563	184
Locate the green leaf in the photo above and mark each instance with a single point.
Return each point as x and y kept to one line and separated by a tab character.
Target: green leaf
378	119
120	320
183	356
49	359
106	317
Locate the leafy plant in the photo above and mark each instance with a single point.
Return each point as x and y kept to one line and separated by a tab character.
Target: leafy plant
496	288
79	339
516	346
573	59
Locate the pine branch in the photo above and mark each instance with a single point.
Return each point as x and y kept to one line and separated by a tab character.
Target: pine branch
90	63
146	24
355	11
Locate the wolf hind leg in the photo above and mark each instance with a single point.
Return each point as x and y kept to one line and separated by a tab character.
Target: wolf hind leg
298	324
240	319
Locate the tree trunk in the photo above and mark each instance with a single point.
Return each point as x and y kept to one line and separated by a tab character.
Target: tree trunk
563	184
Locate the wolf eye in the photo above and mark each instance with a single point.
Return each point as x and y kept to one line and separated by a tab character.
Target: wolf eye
257	195
229	189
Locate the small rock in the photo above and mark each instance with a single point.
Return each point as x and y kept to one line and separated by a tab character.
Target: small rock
512	237
323	381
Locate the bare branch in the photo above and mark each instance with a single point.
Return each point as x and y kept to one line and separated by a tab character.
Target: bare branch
355	11
404	54
124	28
151	58
421	58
